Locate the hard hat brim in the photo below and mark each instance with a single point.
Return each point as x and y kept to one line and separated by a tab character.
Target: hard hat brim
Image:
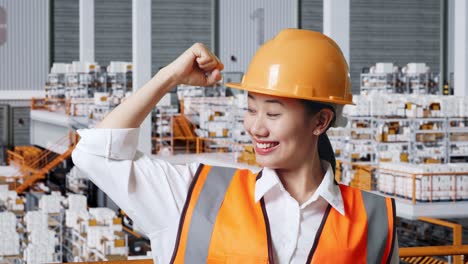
238	85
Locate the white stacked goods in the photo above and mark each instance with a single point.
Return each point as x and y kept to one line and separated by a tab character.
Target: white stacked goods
76	212
396	178
97	228
101	99
347	174
113	247
3	192
84	67
36	220
392	154
76	180
214	115
104	240
239	135
119	67
217	128
240	100
361	150
38	253
460	149
8	195
361	107
103	216
9	243
463	111
404	105
43	187
82	223
9	238
42	240
384	67
59	68
77	202
414	68
11	199
96	234
7	221
51	203
43	236
74	218
83	109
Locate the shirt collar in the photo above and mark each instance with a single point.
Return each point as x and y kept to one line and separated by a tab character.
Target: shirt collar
328	189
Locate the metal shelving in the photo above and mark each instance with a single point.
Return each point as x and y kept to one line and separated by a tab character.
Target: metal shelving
379	82
457	133
361	142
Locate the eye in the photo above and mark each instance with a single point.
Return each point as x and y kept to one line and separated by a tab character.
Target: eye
251	111
273	115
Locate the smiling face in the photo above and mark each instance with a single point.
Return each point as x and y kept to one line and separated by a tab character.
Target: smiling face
282	131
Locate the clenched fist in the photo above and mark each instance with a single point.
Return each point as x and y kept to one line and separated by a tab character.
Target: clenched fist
197	66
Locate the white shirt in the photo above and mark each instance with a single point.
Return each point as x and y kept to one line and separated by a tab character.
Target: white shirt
153	192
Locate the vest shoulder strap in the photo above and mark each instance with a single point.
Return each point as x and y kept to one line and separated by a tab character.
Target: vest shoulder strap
205	199
380	217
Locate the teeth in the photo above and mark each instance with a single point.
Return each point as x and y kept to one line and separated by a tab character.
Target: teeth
265	145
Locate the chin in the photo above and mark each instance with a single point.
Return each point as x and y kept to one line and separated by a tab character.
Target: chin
268	163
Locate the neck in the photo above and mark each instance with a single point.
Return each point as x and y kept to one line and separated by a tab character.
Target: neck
301	182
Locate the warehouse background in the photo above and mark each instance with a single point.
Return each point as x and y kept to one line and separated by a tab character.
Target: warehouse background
419	129
395	31
408	31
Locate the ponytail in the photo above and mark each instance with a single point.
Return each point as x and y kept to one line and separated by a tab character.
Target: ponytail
325	150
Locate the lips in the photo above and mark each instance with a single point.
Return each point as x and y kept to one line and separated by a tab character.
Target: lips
265	147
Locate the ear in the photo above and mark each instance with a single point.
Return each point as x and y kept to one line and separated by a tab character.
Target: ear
324	118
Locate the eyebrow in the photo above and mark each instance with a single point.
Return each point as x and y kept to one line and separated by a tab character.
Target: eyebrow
275	101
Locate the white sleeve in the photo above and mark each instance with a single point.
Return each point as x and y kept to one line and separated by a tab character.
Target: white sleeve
151	191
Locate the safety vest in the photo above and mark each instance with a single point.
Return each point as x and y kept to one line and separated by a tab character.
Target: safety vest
222	223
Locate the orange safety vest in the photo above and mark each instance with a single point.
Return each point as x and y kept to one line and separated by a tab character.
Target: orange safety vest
222	223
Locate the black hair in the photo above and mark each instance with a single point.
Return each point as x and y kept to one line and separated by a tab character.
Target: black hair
324	147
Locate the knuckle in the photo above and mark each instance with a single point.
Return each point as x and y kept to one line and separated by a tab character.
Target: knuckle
198	45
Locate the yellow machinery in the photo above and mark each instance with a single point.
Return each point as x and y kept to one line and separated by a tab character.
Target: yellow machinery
34	163
49	104
248	156
182	130
424	254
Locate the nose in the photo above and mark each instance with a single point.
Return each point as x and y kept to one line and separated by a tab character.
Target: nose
258	127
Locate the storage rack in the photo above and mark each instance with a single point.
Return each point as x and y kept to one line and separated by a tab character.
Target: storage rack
420	83
378	82
429	140
390	135
338	138
15	259
361	143
56	221
163	128
400	82
457	139
76	248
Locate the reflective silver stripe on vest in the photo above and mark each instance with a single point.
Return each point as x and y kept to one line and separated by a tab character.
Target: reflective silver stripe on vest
377	226
205	212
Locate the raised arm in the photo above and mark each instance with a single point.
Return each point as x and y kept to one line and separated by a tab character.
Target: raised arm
151	191
196	66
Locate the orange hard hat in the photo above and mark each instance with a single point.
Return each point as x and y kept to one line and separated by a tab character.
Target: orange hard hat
299	64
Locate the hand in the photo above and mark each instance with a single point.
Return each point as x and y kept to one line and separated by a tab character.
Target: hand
197	66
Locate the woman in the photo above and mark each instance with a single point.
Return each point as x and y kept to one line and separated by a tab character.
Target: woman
293	211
